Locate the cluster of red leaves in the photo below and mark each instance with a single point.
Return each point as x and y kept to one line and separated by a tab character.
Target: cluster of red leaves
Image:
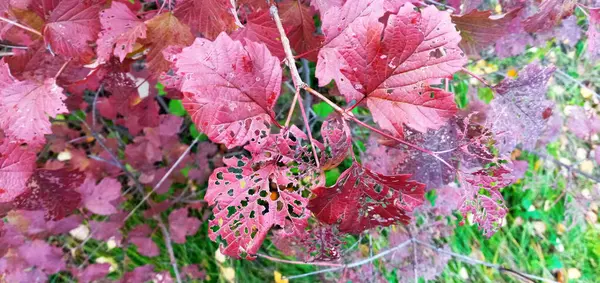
99	61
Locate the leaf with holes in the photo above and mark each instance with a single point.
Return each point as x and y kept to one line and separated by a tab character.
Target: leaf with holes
362	199
390	66
251	196
230	89
120	30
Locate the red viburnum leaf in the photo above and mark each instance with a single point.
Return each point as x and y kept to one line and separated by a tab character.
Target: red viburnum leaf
550	13
583	124
299	25
362	199
120	30
181	225
480	29
230	89
593	33
101	198
25	108
72	26
517	113
163	31
336	25
390	66
250	196
52	191
337	140
41	255
207	17
261	28
17	164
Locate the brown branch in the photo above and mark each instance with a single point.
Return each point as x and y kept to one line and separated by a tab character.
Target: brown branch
315	263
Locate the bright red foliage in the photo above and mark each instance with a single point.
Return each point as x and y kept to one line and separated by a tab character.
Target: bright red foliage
85	124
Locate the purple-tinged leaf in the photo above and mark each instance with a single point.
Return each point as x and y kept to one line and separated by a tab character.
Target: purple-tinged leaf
101	198
181	225
517	112
582	123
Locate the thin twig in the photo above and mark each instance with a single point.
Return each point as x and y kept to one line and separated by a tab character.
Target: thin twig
167	238
476	77
21	26
315	263
355	264
13	46
473	261
62	68
6	53
568	167
164	178
568	77
308	130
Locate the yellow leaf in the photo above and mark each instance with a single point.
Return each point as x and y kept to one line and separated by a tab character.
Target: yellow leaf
279	277
586	92
228	274
512	73
537	165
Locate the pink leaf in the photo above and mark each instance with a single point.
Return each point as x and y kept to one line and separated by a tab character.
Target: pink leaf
390	66
72	26
38	253
120	30
582	123
25	108
362	199
141	236
207	17
17	164
92	273
101	198
181	225
593	33
550	13
230	89
480	29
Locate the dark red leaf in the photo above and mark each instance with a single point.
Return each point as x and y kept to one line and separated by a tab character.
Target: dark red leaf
363	199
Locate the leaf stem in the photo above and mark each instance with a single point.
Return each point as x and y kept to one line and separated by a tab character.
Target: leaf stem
21	26
476	77
291	112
